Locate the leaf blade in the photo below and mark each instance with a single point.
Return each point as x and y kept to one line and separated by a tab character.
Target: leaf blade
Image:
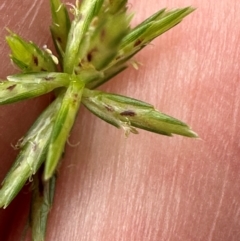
63	125
41	202
28	56
34	146
60	26
26	86
79	26
124	112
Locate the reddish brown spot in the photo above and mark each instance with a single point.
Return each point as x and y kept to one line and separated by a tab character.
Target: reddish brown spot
11	87
59	39
90	54
128	113
138	42
75	97
35	60
42	69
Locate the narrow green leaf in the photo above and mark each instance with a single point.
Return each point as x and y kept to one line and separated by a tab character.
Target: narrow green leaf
42	199
167	22
34	147
136	32
26	86
83	17
28	57
63	125
124	112
60	26
140	36
57	78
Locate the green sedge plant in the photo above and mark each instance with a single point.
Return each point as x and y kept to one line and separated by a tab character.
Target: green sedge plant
92	48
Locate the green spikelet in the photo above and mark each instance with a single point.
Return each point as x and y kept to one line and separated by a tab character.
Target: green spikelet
96	45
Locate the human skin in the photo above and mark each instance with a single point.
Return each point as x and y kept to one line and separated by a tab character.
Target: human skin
146	187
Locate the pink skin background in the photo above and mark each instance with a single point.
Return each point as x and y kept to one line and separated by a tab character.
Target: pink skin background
146	187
